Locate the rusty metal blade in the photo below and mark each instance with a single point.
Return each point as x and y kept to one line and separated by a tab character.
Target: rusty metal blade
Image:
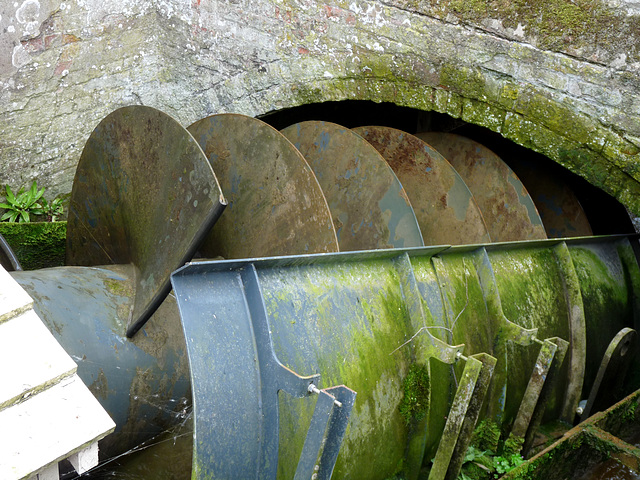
144	194
560	209
370	209
506	205
276	206
445	208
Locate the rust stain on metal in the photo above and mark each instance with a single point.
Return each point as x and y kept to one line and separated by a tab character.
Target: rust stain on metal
444	206
276	206
560	209
100	386
508	210
368	204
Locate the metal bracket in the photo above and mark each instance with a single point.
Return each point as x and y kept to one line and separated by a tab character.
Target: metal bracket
612	371
326	431
431	346
462	417
236	377
510	331
273	375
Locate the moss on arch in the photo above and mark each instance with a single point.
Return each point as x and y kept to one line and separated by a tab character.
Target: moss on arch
522	113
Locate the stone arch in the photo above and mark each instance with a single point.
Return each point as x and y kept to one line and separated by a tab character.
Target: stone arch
521	113
561	80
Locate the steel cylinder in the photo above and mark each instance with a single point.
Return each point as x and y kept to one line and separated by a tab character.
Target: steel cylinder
368	319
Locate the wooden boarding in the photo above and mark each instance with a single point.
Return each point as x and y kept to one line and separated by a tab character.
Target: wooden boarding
46	412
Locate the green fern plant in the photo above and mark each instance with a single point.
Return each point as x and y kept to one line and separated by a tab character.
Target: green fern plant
488	457
483	464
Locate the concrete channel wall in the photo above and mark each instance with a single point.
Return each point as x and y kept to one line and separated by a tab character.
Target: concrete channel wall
559	77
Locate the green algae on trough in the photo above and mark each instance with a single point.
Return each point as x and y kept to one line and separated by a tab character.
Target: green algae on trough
607	300
415	403
344	348
38	244
357	319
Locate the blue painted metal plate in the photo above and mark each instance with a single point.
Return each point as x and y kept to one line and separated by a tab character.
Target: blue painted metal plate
143	194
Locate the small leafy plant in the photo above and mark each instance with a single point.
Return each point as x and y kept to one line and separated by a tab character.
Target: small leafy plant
488	457
21	206
486	464
507	463
52	211
479	459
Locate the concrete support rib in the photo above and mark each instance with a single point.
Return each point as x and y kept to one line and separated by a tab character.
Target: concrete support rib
534	389
462	417
550	383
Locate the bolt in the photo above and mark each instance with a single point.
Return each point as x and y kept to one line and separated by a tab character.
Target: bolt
313	389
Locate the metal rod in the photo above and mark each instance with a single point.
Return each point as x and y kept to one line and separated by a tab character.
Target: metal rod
313	389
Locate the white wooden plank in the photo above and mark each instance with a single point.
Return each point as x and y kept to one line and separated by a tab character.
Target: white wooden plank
48	427
13	299
85	459
52	472
31	358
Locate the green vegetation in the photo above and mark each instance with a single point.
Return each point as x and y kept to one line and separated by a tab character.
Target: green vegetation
54	210
37	245
30	227
484	464
20	206
486	436
23	205
415	403
487	457
553	23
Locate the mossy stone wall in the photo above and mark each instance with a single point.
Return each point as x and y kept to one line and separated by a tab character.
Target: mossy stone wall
559	77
